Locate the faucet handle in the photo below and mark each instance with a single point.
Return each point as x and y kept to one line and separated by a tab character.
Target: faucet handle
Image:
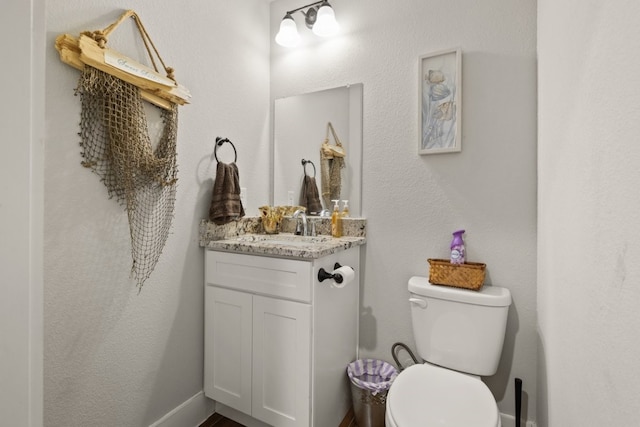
298	231
313	228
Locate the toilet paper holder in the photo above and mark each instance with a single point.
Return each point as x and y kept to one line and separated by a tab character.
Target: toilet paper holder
324	274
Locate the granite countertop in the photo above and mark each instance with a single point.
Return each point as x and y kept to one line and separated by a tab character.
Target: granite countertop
285	245
247	236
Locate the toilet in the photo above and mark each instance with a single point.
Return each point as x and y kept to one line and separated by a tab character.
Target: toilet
459	333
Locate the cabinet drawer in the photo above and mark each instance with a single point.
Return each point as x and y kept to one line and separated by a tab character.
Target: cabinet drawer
284	278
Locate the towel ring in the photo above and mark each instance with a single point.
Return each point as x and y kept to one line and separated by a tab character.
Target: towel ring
304	167
219	142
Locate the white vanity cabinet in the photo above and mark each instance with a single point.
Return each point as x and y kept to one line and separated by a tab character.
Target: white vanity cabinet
277	340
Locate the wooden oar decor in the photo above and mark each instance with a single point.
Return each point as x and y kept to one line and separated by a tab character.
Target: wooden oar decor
90	49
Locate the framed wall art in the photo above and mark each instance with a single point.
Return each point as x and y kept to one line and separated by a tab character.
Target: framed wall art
440	89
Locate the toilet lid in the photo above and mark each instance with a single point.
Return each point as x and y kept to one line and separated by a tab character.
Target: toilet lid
427	395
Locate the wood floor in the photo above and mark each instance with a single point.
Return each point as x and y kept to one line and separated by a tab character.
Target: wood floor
218	420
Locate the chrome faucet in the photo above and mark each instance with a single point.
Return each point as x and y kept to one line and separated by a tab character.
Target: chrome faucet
300	215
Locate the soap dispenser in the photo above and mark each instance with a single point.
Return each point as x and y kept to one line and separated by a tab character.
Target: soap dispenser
457	248
336	220
345	209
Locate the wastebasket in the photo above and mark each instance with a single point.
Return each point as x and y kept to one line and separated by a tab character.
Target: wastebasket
370	382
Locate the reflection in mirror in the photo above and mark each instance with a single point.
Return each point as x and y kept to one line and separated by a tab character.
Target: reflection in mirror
300	127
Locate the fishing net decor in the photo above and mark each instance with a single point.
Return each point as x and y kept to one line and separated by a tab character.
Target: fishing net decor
116	145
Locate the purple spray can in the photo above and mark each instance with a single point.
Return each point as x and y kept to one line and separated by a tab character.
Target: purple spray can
457	248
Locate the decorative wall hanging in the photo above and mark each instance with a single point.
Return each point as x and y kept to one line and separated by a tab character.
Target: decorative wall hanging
440	89
114	135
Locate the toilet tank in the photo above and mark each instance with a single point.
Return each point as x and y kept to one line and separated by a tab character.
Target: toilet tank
459	329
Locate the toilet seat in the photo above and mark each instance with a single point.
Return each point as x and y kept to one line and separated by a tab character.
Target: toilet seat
426	395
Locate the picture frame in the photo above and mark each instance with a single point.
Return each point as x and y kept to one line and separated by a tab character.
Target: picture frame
440	102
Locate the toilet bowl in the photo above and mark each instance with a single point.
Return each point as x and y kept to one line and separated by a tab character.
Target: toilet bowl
426	395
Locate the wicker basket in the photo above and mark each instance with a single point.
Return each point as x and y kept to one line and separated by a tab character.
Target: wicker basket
469	275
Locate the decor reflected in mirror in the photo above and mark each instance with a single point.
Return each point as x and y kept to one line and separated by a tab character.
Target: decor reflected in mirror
301	126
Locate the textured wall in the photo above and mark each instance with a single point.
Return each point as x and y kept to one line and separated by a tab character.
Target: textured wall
113	357
413	202
588	290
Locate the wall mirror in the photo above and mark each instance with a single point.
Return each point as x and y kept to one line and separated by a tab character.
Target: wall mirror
300	126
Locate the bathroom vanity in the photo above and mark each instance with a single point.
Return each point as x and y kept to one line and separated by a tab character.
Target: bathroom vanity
277	339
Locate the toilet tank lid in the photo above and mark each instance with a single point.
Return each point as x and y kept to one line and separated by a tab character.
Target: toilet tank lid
489	295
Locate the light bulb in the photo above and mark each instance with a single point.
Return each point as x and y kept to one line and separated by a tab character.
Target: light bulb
326	24
288	34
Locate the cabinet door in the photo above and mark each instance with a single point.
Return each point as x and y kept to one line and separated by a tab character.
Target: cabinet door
281	362
228	347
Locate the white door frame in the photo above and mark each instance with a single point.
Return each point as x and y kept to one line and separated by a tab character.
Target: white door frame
22	31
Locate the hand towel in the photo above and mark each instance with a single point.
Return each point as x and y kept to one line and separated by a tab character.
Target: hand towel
225	201
309	196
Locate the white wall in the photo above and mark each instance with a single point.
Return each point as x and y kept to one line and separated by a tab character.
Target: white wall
21	210
113	357
588	274
413	202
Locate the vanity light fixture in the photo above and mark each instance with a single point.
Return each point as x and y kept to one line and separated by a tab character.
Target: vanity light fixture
319	17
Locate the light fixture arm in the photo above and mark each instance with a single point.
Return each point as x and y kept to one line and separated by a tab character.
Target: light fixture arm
304	7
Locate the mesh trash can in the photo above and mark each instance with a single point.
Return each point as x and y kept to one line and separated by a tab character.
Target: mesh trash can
370	382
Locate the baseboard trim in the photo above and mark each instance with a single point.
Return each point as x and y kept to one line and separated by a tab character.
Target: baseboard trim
510	421
193	412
